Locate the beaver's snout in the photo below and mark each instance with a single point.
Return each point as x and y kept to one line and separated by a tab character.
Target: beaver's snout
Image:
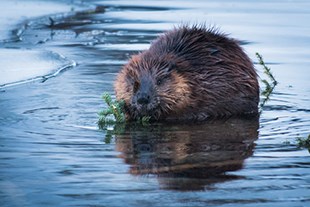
144	89
144	101
143	98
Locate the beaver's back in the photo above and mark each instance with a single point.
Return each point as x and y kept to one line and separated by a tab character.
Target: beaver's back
202	48
219	71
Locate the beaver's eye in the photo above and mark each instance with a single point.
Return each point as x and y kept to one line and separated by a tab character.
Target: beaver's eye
136	86
162	79
159	82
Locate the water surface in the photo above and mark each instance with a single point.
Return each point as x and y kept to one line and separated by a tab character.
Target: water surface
53	154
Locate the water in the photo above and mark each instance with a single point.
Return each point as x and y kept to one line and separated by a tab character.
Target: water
52	153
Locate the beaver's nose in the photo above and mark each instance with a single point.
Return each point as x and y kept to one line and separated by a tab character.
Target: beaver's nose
143	99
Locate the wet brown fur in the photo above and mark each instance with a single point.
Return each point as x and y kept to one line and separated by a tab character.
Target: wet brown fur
190	73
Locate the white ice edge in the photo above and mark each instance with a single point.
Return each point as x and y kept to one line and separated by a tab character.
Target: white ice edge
41	78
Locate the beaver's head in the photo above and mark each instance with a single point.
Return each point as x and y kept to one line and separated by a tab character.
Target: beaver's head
151	86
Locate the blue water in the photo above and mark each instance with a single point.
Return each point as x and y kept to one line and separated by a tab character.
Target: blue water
53	154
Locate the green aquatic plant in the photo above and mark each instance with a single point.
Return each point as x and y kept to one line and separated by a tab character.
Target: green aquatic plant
144	120
267	70
300	142
269	84
115	113
113	119
304	142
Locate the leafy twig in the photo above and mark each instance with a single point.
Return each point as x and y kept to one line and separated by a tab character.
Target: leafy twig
269	86
115	109
303	142
115	113
267	70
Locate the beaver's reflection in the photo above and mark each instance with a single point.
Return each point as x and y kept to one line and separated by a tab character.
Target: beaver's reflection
188	157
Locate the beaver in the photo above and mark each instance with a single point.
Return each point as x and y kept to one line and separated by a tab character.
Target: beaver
189	73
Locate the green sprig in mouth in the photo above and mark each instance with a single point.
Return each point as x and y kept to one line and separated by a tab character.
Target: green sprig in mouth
115	112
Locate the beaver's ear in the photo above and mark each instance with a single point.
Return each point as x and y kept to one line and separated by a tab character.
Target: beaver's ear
135	59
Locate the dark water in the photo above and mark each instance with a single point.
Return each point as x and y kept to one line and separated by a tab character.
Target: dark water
52	153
